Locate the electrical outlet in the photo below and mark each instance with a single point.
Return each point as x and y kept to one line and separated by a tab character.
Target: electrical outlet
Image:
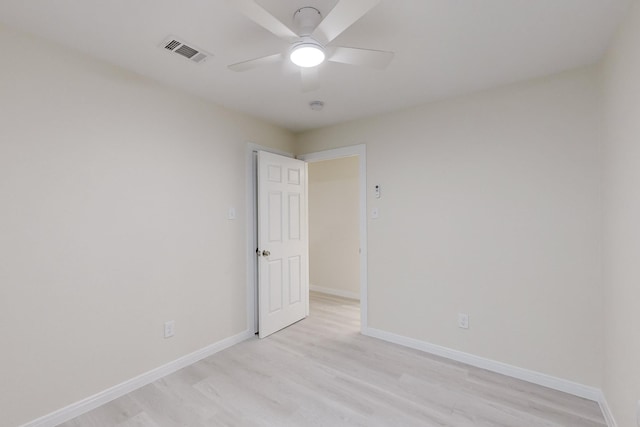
463	320
169	328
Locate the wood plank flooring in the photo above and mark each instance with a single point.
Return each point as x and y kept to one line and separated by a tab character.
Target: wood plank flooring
322	372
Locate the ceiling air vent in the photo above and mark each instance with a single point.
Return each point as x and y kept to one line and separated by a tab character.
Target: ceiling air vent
189	51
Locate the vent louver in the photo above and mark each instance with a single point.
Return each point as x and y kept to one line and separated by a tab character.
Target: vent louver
188	51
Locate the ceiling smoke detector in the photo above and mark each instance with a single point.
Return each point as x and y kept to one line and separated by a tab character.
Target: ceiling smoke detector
316	105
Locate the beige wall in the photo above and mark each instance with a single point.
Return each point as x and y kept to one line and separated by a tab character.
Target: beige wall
622	221
334	226
492	207
114	194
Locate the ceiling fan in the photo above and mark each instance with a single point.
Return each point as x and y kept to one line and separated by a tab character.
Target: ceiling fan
309	44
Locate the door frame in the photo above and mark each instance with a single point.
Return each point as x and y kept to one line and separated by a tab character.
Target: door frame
359	151
252	230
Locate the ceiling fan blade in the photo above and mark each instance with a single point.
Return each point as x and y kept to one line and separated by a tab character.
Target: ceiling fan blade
378	59
341	17
260	16
310	79
255	63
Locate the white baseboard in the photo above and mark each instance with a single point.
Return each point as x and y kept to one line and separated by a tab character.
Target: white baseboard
335	292
545	380
75	409
69	412
606	411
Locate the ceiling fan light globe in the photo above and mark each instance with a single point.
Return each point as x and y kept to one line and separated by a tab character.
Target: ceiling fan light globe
307	55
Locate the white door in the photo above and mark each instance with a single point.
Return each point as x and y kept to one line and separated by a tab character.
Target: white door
283	242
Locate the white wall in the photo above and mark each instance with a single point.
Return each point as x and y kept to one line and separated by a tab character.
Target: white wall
491	206
334	226
114	193
622	220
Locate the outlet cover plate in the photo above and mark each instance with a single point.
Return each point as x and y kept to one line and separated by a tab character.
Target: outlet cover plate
169	328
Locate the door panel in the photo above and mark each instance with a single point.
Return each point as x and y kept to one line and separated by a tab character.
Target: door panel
283	243
295	280
275	217
294	217
275	286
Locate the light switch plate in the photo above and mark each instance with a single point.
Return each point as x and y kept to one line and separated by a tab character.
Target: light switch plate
231	214
169	328
463	320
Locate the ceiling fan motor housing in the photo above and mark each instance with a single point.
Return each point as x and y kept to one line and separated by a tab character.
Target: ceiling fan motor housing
310	34
306	19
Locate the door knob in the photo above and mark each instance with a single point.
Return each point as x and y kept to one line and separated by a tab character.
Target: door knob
266	253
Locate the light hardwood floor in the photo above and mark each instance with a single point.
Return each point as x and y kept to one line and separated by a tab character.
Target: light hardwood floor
322	372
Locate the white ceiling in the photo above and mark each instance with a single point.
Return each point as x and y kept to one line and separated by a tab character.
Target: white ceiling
443	48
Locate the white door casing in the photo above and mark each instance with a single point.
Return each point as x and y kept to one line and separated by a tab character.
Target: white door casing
283	242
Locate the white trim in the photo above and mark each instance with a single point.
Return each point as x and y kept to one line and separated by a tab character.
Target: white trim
335	292
545	380
252	243
336	153
75	409
252	146
361	152
307	272
606	411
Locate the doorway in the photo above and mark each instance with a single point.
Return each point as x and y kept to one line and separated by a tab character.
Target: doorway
338	224
357	151
334	244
